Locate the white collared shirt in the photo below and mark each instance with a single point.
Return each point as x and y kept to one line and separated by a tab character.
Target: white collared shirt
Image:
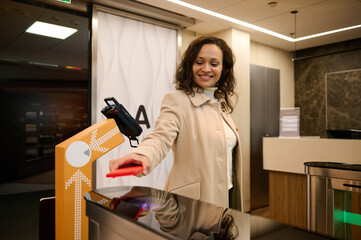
231	139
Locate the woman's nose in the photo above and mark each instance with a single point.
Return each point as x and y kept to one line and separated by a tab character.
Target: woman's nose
206	68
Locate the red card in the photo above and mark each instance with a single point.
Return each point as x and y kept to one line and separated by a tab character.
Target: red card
126	171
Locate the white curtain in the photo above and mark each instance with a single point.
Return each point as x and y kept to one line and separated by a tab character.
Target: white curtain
135	64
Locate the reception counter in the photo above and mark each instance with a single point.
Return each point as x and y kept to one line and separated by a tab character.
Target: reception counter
284	158
147	213
289	154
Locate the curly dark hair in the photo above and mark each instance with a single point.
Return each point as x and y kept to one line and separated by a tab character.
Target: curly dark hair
184	78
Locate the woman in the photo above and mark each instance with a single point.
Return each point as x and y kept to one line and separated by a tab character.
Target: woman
195	121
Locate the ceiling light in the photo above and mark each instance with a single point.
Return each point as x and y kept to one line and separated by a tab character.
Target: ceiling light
260	29
295	33
328	32
51	30
230	19
272	4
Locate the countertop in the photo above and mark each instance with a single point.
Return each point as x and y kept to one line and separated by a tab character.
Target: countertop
175	217
289	154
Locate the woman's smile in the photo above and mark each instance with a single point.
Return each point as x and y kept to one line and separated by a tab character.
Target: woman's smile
207	68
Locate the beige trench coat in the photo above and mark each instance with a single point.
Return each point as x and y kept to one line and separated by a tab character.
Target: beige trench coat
192	127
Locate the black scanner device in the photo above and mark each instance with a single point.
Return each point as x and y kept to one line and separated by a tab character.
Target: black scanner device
126	123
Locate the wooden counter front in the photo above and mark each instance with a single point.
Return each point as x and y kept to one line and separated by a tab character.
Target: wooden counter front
284	159
288	198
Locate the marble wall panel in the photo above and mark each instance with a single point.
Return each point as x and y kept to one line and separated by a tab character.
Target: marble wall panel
310	81
343	100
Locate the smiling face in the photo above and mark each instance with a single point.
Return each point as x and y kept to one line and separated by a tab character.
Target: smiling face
207	67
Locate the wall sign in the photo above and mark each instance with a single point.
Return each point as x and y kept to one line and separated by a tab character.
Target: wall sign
289	122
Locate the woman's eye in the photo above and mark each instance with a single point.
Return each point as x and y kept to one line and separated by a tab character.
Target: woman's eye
214	64
199	63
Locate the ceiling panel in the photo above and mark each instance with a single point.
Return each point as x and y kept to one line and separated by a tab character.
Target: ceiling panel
15	18
75	44
64	19
254	11
214	5
18	46
314	16
328	15
205	27
31	42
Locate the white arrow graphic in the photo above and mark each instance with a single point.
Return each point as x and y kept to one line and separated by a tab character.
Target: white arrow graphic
95	143
78	177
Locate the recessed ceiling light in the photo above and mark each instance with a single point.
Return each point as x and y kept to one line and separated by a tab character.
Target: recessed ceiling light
51	30
272	4
249	25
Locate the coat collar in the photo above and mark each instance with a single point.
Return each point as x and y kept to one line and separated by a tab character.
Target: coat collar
200	98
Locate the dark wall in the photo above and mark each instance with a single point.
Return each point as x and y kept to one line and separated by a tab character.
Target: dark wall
39	109
44	86
312	67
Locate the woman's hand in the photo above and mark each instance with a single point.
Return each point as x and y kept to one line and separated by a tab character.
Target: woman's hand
130	158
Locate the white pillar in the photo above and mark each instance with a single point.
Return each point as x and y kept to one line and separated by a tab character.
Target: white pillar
240	43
